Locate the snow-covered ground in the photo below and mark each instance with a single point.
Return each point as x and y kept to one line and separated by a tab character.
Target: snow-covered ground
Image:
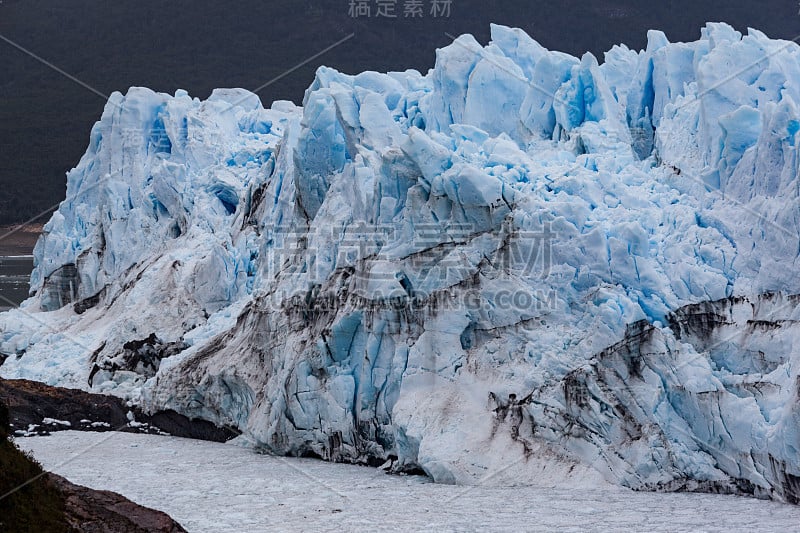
217	487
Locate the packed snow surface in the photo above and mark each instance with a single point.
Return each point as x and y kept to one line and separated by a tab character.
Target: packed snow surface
210	487
585	267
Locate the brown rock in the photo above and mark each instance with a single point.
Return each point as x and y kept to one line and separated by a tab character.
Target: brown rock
30	402
96	511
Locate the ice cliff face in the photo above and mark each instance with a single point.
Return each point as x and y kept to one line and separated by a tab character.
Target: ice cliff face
368	277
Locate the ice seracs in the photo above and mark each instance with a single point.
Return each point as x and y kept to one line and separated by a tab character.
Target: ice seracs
352	279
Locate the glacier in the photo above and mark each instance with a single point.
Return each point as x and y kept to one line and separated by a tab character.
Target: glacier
520	267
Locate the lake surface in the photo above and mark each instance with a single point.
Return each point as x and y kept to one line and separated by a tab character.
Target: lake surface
15	272
212	487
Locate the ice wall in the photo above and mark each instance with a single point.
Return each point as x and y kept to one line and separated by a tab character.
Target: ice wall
368	277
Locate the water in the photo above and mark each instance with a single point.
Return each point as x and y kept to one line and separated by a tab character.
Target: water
211	487
15	272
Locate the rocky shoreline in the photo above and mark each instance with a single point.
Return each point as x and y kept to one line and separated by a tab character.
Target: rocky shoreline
39	409
34	500
100	510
